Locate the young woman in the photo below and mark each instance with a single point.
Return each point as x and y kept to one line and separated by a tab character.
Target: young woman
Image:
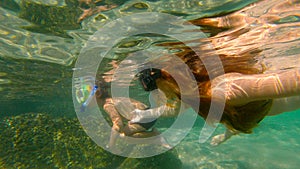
260	71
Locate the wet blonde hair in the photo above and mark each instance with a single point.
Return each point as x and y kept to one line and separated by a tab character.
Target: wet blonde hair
236	118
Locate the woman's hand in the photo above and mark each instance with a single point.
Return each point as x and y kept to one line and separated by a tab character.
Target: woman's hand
146	116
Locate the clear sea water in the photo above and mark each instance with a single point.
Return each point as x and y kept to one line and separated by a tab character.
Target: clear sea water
40	41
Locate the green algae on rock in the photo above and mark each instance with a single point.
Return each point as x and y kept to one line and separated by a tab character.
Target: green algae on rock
39	141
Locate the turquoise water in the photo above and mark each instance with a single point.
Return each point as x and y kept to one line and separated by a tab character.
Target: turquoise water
40	41
274	144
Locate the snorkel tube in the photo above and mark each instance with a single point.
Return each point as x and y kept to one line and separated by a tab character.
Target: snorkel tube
88	100
85	91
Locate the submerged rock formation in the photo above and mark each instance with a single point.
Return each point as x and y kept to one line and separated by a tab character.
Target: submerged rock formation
39	141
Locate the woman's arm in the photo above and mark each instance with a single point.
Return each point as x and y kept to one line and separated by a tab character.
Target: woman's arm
286	104
241	89
161	106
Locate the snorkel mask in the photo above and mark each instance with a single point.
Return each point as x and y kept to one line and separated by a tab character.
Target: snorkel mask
148	78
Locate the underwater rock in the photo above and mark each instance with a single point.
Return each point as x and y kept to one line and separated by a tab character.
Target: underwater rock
39	141
167	160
